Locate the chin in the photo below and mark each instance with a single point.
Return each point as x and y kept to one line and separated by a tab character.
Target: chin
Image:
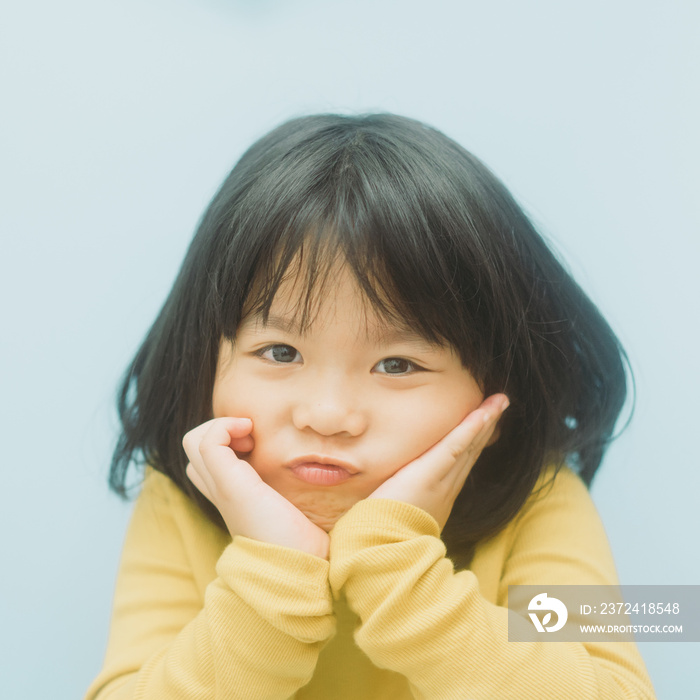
326	520
325	523
323	509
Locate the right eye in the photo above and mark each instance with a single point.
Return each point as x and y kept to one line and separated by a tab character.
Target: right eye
281	354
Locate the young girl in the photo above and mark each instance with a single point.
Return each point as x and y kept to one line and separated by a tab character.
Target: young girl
361	303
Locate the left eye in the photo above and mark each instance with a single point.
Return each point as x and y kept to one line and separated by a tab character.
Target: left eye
396	365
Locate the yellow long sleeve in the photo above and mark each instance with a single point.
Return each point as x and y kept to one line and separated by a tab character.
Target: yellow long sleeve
198	616
420	618
254	631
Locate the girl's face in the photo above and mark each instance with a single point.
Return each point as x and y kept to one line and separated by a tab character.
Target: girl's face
340	408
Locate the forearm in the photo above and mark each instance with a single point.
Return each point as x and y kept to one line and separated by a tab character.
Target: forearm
258	634
421	619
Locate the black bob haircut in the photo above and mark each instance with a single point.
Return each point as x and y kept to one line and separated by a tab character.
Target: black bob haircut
434	240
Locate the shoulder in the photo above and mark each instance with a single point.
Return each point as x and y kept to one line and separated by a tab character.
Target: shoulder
159	491
161	500
559	536
557	489
556	538
169	525
559	497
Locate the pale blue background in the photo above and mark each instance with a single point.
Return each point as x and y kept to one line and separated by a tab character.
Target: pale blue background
119	120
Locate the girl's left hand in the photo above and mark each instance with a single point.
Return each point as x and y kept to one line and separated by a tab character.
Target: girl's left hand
433	480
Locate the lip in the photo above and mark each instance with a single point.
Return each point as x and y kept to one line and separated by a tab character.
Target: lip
321	470
323	460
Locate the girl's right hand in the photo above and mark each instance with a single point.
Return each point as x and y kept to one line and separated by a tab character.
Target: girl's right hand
247	504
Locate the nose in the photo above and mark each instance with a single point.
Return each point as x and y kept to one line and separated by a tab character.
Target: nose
330	406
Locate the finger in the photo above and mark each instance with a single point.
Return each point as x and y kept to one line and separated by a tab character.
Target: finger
226	474
468	438
237	426
197	480
192	438
490	413
227	431
245	444
197	471
238	429
242	444
492	409
457	475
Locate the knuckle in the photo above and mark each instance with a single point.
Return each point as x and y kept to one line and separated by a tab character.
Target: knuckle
458	450
206	448
189	442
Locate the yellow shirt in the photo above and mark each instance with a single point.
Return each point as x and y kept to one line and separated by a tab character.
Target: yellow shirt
197	616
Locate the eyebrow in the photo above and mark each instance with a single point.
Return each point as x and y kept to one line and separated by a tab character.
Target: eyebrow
378	335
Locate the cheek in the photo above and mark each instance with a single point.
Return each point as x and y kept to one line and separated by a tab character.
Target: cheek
418	425
234	398
424	431
242	406
223	401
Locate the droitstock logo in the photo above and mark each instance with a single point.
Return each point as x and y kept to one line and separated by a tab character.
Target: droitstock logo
543	602
603	613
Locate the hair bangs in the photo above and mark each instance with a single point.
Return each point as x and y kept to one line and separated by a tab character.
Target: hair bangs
357	202
310	259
